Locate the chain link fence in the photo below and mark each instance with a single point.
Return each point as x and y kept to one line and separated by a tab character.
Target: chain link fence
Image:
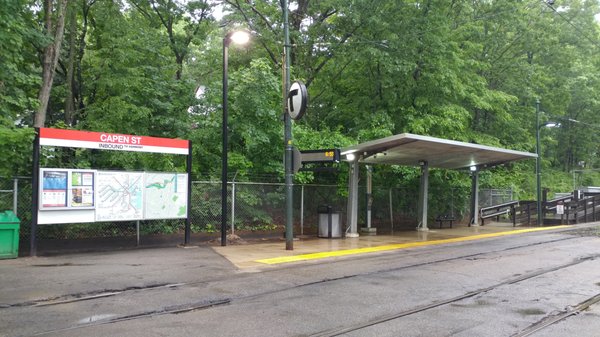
253	209
490	197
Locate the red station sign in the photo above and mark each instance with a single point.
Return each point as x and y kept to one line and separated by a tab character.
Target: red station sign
111	141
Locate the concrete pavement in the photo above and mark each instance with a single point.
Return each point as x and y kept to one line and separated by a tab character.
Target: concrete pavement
196	291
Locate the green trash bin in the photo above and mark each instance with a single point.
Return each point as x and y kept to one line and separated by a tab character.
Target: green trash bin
9	235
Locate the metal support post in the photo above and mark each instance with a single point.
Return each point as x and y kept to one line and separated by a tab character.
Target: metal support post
225	135
391	214
233	207
474	198
540	213
35	201
15	195
369	203
369	194
137	233
353	199
302	210
423	196
289	175
188	220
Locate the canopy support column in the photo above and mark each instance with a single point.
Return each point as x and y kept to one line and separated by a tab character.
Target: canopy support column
423	196
368	230
474	197
353	199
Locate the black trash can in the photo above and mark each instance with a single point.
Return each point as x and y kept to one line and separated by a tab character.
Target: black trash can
329	222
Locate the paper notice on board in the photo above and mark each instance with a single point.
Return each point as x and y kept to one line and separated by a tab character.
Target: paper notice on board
82	189
54	189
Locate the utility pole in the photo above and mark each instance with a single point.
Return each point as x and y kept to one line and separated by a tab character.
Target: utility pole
289	175
540	214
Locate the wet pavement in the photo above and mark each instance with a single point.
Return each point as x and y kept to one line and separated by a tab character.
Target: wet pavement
311	248
478	281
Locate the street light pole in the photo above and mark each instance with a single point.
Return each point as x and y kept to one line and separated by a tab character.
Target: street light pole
239	37
540	220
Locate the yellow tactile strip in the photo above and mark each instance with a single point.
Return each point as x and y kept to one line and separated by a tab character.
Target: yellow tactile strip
322	255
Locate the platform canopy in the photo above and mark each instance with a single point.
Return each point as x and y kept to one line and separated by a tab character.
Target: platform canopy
426	152
408	149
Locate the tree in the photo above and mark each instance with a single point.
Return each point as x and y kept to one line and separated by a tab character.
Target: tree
18	74
184	22
54	24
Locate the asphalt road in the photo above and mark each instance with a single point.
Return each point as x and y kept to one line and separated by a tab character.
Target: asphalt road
535	284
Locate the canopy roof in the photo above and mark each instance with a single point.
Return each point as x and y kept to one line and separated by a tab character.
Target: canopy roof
408	149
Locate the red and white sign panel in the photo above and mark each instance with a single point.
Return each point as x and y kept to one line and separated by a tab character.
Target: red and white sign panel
111	141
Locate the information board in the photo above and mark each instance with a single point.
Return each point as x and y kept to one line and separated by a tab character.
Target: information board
119	196
66	189
165	196
80	196
81	189
74	195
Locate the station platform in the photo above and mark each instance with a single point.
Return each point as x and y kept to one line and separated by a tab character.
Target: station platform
273	252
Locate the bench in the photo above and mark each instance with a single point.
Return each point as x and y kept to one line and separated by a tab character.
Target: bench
440	219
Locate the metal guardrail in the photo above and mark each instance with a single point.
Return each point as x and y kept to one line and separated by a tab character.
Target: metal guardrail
507	208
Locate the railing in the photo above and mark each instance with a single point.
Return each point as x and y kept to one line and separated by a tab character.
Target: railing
495	211
526	212
575	211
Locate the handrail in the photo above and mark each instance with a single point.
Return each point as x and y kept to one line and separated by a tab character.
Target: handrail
506	204
560	199
500	209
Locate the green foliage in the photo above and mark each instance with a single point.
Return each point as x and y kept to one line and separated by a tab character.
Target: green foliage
461	70
19	77
130	79
16	144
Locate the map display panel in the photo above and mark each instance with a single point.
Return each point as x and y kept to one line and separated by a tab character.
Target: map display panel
120	196
165	195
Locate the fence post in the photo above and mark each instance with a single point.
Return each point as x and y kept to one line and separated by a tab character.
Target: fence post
233	207
391	214
593	208
514	215
302	210
15	195
137	233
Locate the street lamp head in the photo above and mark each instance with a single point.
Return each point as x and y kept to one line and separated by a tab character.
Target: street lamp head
551	125
240	37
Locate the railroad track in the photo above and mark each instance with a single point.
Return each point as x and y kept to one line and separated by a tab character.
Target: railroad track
530	330
207	304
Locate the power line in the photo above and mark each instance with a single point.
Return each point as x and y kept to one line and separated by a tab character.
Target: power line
574	121
550	4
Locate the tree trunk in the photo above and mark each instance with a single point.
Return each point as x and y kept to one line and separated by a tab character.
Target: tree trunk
51	53
70	100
